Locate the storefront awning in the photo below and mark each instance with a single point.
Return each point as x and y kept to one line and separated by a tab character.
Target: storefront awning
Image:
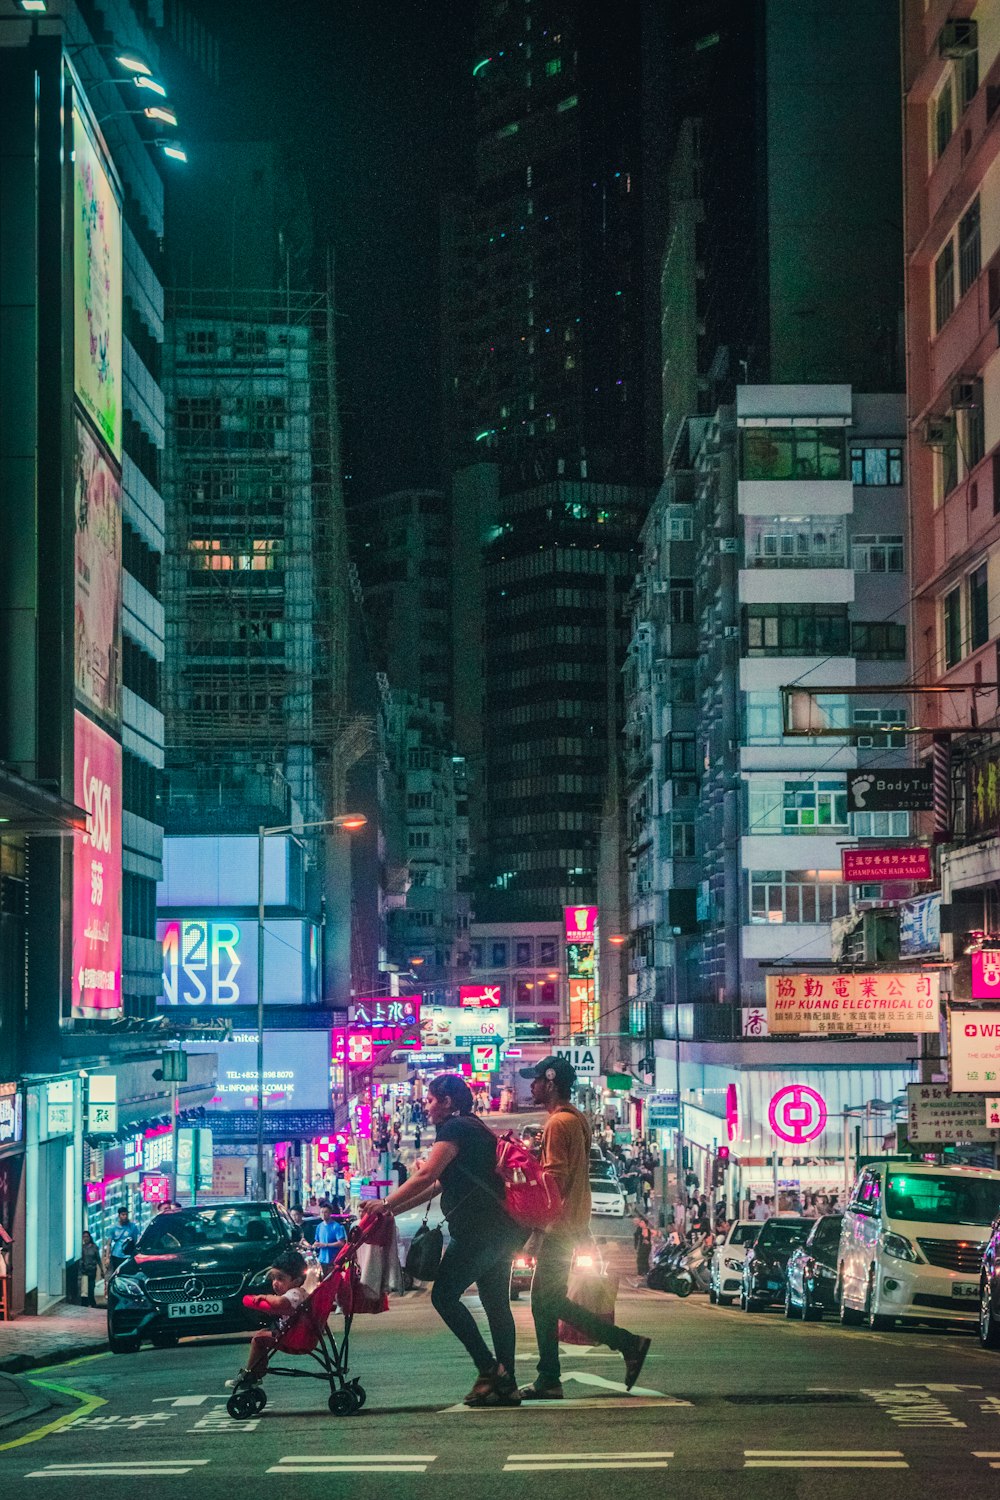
28	807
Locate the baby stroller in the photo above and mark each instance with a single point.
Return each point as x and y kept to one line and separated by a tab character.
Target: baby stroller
306	1332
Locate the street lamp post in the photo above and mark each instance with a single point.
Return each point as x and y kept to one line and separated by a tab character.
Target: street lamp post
349	821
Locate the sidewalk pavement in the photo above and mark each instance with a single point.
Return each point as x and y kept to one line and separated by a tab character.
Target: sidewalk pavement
67	1332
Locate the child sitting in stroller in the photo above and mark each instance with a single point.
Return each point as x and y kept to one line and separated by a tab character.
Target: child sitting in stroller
288	1274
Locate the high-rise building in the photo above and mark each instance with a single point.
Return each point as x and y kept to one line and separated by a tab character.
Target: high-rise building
81	623
952	164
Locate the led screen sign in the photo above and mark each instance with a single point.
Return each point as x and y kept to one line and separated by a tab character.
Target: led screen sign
96	980
447	1028
480	996
97	289
870	1004
296	1070
211	961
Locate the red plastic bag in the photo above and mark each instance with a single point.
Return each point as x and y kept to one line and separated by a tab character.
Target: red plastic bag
531	1196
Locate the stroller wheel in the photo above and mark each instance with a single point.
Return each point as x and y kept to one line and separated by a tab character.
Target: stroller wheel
344	1403
360	1393
246	1403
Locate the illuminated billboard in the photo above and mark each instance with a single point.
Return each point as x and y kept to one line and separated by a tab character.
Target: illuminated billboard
96	980
480	996
878	1004
97	589
581	923
97	289
296	1070
211	960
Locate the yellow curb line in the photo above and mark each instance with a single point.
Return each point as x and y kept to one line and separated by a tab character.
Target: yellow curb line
87	1404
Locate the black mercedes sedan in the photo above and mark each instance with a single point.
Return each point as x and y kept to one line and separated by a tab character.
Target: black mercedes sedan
767	1257
811	1273
190	1271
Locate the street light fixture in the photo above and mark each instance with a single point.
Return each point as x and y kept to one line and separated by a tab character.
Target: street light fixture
172	149
350	822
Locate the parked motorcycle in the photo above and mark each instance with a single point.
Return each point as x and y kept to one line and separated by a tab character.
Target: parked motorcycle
682	1269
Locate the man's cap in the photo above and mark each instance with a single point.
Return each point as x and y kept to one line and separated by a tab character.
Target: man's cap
556	1069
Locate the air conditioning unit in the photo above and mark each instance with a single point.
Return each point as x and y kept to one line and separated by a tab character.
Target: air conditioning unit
964	395
958	38
730	632
728	544
935	432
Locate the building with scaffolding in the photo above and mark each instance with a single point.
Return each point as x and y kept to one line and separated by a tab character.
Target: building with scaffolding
255	582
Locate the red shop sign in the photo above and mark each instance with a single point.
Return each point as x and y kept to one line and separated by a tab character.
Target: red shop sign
867	865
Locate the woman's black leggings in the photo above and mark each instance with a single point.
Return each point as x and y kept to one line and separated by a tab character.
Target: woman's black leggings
487	1263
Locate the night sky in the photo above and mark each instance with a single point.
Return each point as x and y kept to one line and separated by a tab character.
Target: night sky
374	95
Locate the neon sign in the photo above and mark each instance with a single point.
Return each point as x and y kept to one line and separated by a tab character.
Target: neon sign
581	923
476	996
797	1114
201	962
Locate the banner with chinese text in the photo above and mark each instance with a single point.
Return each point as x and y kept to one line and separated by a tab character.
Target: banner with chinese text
872	1004
865	865
934	1114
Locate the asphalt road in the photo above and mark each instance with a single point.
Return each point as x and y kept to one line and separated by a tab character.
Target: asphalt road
748	1402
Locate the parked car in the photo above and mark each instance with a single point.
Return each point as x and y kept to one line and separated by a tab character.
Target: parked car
767	1257
912	1243
811	1273
190	1271
607	1197
726	1276
989	1291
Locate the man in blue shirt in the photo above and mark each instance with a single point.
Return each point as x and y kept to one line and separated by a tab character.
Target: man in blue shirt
124	1234
329	1237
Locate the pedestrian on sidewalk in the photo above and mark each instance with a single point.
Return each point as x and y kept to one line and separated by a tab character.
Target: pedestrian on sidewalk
91	1270
330	1235
462	1166
417	1137
566	1155
122	1241
642	1239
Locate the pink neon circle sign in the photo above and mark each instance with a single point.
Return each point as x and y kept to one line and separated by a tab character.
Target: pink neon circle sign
797	1114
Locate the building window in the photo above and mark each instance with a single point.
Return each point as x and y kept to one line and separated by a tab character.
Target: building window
878	640
876	466
678	526
680	601
795	630
944	286
944	118
880	825
793	453
814	896
969	247
682	837
498	958
553	66
794	542
880	738
416	801
979	608
877	554
968	79
522	954
680	753
547	951
796	806
762	719
953	628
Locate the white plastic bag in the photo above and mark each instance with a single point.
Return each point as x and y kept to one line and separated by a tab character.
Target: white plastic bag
378	1261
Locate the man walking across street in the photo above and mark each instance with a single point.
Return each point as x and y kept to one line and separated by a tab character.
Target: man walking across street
330	1235
123	1236
566	1155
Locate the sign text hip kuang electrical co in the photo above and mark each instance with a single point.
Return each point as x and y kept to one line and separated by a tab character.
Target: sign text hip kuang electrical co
870	1004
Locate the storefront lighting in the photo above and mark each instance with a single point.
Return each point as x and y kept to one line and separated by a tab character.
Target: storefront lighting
160	112
144	81
34	7
171	149
133	64
617	939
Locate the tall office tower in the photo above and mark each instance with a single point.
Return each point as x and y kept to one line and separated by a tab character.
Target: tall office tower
548	391
782	254
952	163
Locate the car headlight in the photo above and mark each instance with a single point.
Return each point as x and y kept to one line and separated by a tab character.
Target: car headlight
585	1261
261	1282
130	1287
522	1263
898	1246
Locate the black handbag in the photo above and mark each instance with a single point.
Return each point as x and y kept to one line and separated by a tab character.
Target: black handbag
424	1255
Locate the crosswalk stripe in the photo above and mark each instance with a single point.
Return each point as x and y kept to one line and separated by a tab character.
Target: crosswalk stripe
826	1463
348	1469
132	1471
822	1453
97	1469
358	1458
634	1453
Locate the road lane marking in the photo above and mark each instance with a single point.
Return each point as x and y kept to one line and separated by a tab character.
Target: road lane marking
581	1468
528	1463
824	1458
88	1404
354	1463
626	1400
140	1468
994	1456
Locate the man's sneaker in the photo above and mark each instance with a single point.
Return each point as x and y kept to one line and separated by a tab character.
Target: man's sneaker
634	1360
541	1392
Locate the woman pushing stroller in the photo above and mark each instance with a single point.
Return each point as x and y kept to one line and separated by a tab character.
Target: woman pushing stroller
483	1238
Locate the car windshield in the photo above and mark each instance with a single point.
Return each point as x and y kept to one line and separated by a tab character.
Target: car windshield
602	1185
194	1228
601	1172
941	1200
779	1235
826	1234
743	1233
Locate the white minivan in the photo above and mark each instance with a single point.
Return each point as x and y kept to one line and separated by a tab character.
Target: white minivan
912	1243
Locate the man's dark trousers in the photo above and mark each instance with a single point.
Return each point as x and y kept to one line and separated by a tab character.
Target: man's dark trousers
549	1303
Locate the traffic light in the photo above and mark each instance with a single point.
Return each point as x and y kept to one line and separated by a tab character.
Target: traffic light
720	1163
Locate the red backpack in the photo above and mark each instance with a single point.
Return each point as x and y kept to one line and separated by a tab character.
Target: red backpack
532	1197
